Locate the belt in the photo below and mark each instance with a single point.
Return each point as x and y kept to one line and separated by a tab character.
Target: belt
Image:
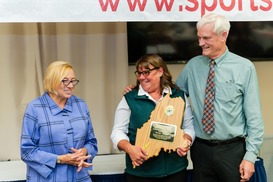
220	142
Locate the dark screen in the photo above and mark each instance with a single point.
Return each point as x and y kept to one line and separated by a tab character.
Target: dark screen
176	42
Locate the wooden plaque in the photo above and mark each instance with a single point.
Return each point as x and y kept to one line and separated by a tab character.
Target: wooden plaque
163	129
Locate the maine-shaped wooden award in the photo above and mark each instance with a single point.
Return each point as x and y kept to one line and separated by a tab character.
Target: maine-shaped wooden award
163	129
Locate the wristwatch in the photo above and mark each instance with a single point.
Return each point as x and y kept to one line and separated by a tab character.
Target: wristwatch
58	161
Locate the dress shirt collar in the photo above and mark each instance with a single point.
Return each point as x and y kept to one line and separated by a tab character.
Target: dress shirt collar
141	91
55	109
220	60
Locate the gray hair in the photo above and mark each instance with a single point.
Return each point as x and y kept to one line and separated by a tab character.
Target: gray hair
221	23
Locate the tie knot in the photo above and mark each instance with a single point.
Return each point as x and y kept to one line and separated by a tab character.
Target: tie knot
212	62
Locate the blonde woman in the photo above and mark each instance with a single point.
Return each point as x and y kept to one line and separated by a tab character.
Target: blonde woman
58	141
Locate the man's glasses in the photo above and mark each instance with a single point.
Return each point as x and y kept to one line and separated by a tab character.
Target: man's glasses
67	82
144	73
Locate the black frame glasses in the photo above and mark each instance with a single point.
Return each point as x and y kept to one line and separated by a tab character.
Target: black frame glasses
145	73
74	82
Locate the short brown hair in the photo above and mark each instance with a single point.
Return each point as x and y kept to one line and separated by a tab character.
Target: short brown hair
156	61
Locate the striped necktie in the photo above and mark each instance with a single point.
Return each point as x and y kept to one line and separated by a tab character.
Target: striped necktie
208	114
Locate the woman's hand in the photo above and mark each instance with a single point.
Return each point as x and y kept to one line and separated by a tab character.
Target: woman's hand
137	155
77	158
81	155
182	150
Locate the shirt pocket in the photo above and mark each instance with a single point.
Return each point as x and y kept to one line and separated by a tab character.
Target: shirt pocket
225	91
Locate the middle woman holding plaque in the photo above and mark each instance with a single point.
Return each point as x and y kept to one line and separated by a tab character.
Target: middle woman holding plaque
154	81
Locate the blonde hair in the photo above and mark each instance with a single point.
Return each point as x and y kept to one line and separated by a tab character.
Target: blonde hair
54	74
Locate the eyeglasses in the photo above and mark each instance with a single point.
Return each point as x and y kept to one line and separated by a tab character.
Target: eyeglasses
67	82
144	73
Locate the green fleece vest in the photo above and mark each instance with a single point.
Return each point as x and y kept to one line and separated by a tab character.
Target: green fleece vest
163	164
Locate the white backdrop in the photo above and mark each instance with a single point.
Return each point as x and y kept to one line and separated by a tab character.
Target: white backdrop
131	10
